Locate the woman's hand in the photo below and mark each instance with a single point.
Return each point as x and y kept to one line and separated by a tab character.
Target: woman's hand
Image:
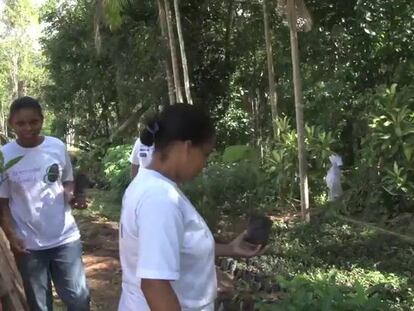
239	248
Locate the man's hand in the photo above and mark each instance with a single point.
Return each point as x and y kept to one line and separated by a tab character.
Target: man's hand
79	201
17	246
6	222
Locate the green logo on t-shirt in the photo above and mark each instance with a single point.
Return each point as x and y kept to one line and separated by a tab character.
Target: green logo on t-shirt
52	173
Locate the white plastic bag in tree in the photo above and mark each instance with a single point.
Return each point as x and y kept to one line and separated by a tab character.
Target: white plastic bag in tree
333	178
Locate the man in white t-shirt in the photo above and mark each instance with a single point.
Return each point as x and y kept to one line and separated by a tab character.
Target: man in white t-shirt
43	221
141	156
36	199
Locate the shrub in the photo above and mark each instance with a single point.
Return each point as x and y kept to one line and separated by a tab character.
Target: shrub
116	167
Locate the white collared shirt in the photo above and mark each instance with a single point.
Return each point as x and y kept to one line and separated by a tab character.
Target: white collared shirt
162	236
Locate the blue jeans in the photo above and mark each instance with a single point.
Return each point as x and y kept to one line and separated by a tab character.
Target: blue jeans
62	265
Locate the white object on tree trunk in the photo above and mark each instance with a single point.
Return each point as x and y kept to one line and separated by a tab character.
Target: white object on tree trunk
333	178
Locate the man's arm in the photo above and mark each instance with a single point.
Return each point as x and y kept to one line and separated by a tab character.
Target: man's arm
76	200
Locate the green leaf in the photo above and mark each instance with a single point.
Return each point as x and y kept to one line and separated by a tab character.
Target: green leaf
408	131
12	162
396	169
398	131
408	152
1	162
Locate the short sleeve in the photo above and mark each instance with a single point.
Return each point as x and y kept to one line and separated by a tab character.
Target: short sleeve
4	186
67	172
160	237
134	157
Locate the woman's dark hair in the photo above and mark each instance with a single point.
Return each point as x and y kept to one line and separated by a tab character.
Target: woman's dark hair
25	102
178	122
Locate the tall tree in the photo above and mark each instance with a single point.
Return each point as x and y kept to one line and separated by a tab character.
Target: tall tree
182	52
173	51
292	7
270	67
113	8
167	61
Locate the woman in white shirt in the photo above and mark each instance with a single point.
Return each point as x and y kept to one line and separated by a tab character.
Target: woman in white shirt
167	251
141	156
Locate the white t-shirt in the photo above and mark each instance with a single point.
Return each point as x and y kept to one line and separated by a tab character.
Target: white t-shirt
34	188
141	154
162	236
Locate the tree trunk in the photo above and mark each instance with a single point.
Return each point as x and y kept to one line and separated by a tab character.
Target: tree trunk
21	89
229	26
99	9
182	51
297	84
270	67
14	77
12	295
137	110
174	59
167	62
3	121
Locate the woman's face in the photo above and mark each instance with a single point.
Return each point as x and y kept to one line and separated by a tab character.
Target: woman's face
194	159
27	124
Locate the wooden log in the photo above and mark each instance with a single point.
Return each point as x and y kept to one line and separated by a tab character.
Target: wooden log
12	296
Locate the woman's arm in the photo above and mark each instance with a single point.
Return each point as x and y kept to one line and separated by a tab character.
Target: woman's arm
160	295
238	248
223	250
134	170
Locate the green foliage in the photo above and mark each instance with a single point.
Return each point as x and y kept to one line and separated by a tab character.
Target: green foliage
21	60
234	127
337	265
116	168
354	48
282	164
386	154
237	153
226	189
378	263
96	93
235	186
321	292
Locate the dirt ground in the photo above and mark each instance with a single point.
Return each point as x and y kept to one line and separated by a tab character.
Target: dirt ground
100	243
